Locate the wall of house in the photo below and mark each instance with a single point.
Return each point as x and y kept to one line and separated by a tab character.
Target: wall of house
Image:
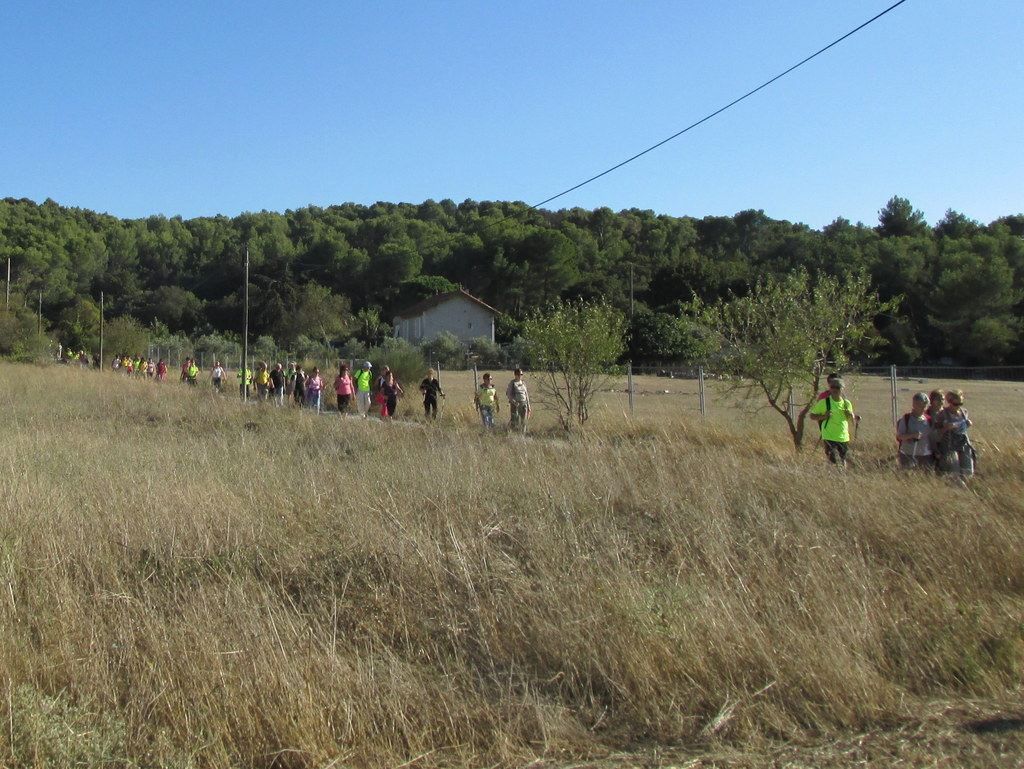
461	317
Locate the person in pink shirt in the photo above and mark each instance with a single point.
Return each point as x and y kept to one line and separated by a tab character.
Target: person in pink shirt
314	389
343	388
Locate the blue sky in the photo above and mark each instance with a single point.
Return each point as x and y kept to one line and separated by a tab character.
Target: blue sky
204	108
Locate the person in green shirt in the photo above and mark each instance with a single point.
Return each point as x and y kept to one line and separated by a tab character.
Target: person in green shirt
486	400
835	416
363	380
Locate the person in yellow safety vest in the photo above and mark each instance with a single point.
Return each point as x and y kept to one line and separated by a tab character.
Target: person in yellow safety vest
363	379
192	372
244	382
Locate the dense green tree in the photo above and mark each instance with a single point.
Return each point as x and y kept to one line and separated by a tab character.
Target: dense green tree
189	274
899	219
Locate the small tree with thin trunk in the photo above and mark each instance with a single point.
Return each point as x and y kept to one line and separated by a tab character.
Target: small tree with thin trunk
778	341
574	348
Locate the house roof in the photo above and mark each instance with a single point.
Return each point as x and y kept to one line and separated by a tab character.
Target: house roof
433	301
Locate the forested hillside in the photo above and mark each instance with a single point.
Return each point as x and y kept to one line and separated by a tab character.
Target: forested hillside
329	274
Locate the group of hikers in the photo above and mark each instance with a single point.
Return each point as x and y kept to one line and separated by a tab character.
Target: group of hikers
360	390
932	436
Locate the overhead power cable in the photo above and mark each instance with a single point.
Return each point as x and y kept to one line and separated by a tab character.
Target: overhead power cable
722	109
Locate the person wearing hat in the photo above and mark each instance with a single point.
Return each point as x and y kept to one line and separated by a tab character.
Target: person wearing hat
363	379
486	400
835	415
913	431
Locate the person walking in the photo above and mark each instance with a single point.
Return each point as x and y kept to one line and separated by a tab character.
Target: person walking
343	388
835	416
262	380
486	400
299	386
957	455
390	390
430	388
314	390
518	401
217	376
277	383
289	381
913	433
244	381
936	402
363	379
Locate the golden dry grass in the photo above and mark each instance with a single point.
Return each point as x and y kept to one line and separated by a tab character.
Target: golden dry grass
189	581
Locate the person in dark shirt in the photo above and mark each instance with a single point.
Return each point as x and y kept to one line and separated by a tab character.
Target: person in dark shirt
430	388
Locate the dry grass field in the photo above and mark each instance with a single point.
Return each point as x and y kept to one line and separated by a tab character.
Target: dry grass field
189	581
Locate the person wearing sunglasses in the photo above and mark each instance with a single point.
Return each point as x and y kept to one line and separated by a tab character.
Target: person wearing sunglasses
957	453
835	416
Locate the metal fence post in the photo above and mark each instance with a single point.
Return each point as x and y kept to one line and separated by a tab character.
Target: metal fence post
629	386
895	393
700	389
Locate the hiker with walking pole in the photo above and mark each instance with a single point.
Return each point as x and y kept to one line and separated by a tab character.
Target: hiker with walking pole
430	388
835	416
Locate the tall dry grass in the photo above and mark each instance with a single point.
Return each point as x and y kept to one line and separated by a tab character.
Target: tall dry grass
189	581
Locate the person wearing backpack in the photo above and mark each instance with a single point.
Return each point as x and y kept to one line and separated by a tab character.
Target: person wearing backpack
913	434
363	379
835	416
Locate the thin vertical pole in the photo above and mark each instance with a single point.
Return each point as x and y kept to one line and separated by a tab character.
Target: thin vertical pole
629	386
101	330
244	387
8	282
895	393
700	389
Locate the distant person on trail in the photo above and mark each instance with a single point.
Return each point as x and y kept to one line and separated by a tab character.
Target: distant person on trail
262	380
913	433
835	416
936	402
217	376
277	383
314	390
344	389
430	388
957	454
486	400
390	390
518	401
299	387
244	382
363	379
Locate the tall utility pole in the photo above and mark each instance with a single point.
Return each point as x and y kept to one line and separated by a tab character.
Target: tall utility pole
101	331
244	386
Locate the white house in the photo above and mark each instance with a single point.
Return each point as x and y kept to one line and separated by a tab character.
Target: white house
457	312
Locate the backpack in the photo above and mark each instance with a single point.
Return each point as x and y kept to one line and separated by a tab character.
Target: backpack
905	419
